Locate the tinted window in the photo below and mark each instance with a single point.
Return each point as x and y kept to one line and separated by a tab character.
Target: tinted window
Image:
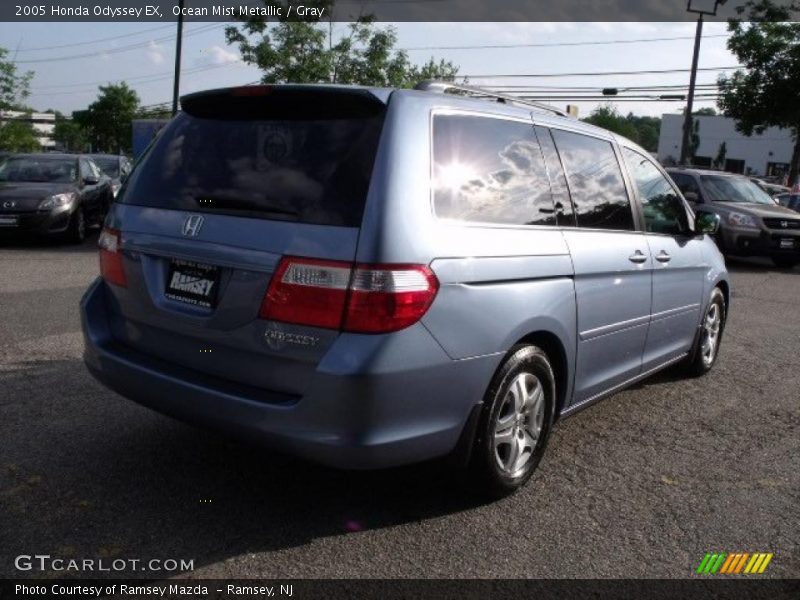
298	168
664	211
720	188
86	169
685	183
489	170
108	164
558	180
39	169
595	182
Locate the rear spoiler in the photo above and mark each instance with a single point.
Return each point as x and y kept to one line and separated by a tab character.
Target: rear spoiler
306	102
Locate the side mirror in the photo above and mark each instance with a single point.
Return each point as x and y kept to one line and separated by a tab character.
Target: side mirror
90	180
691	197
706	222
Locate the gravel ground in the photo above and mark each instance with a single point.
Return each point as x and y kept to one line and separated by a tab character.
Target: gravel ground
640	485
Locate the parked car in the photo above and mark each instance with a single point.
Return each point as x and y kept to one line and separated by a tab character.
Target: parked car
371	277
752	224
773	189
115	167
790	201
52	194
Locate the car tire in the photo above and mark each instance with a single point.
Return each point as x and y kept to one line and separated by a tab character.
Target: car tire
785	262
515	422
706	347
76	229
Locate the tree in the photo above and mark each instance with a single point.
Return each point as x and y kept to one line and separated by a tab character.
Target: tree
648	130
69	134
18	136
107	121
14	87
703	112
722	152
607	117
304	52
764	93
15	135
694	139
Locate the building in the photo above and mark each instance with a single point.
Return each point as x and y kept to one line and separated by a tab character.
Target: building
43	123
768	154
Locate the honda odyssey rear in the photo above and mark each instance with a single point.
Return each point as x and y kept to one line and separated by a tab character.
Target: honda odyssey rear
368	277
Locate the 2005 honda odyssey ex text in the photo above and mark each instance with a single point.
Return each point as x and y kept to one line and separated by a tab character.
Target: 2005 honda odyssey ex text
372	277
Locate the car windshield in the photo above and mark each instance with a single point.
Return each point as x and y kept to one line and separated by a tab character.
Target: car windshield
108	164
42	170
720	188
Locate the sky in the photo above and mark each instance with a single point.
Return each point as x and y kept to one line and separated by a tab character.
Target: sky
70	60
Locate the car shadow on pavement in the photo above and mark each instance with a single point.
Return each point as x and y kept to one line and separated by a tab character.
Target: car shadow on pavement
33	243
89	473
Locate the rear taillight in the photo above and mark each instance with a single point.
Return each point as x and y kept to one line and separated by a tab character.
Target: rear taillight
111	267
338	295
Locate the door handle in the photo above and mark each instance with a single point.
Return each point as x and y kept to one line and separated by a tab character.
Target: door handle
663	257
637	257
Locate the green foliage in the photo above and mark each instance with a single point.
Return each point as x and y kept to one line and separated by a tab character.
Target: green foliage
764	93
18	136
107	121
722	153
642	130
648	130
704	112
70	135
14	87
304	52
694	138
607	117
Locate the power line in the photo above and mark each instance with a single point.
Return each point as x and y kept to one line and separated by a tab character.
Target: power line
96	41
90	85
150	79
120	49
596	73
563	44
621	88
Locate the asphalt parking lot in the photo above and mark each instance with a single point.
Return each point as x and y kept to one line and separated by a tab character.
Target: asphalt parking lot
641	485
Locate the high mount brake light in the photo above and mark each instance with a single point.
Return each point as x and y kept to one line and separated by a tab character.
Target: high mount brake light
359	298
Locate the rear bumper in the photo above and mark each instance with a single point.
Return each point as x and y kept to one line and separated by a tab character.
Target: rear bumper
394	400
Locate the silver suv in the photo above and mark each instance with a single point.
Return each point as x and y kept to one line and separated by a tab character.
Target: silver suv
751	222
374	277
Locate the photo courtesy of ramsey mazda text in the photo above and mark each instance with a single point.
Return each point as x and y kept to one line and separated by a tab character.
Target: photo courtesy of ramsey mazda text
373	277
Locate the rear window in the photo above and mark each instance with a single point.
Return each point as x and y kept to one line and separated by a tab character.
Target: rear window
248	160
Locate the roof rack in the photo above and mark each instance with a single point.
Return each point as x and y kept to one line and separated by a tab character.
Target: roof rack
445	87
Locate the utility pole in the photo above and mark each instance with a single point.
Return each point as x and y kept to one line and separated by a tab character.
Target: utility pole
701	7
687	120
177	79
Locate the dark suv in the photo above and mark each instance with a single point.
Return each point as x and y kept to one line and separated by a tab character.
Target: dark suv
751	223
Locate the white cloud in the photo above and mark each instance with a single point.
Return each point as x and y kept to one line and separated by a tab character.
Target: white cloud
222	56
155	53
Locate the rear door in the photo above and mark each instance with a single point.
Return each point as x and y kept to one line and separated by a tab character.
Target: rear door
677	263
239	179
612	266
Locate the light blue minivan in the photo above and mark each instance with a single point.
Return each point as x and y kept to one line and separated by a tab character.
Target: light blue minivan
374	277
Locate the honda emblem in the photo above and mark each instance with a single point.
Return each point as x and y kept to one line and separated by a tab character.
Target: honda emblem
192	225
